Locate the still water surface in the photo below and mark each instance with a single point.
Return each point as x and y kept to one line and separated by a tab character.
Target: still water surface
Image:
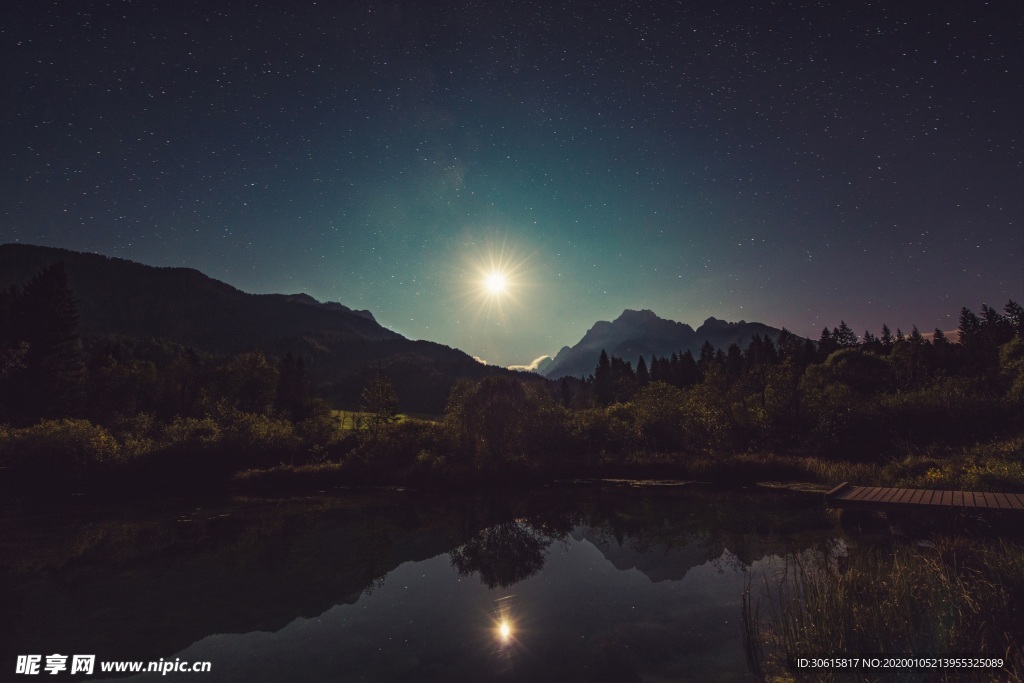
611	583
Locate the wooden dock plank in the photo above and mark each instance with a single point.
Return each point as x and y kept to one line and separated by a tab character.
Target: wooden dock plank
893	496
889	493
883	495
880	497
873	494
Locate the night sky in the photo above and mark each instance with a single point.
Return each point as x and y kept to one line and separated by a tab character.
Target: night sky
792	163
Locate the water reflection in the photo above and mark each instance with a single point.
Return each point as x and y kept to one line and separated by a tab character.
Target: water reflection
503	554
504	622
579	584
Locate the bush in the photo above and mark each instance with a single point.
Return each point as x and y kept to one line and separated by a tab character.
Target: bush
258	440
394	451
57	455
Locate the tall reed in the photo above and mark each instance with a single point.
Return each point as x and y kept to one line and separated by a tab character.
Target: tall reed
953	597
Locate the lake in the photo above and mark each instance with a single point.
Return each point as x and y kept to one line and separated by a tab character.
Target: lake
612	582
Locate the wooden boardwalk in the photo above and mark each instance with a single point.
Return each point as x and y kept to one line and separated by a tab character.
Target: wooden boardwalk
883	499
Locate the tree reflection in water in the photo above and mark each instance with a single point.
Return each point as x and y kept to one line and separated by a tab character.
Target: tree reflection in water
504	554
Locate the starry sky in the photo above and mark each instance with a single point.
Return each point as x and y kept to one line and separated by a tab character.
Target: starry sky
793	163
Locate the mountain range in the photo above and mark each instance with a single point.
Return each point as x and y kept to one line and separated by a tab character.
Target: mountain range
341	347
642	333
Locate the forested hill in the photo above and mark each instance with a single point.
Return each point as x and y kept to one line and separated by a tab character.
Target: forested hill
181	305
116	296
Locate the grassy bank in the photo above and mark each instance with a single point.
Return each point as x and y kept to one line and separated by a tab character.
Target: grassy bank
954	597
251	451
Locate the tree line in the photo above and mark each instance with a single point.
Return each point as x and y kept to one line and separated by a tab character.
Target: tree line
148	412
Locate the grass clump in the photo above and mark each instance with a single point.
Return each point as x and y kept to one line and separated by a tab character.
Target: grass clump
954	597
996	466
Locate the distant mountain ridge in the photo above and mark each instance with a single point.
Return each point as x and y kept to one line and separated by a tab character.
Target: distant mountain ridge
341	346
306	299
117	296
642	333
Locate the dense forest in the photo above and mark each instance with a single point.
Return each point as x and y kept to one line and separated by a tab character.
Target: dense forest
129	415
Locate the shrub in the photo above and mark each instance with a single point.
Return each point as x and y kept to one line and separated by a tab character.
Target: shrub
57	455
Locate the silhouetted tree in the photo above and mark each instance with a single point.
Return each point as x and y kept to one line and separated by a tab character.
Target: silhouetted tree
604	382
969	328
733	362
643	377
843	336
1015	317
707	357
886	338
623	379
826	344
565	392
489	420
380	401
293	396
44	317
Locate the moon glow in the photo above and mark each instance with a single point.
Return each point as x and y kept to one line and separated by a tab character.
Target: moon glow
495	283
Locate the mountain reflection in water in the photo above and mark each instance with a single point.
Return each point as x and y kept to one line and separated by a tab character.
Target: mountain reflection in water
589	584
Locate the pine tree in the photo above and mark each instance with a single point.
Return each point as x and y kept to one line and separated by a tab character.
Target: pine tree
688	373
826	343
969	328
603	380
707	356
658	370
1015	316
886	338
843	336
45	317
643	377
996	327
734	360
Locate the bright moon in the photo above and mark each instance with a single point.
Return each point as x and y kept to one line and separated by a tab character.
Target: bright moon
495	283
505	630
